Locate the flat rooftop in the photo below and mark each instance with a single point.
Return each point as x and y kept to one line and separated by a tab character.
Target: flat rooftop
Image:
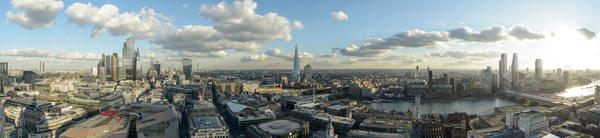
334	118
207	122
363	133
279	126
385	123
95	120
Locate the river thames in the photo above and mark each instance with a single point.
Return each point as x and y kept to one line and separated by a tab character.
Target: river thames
480	106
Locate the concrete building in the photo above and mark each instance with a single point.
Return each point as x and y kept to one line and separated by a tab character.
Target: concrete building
538	69
4	71
42	67
341	125
102	75
496	132
386	126
369	134
51	126
29	78
285	128
307	73
97	126
530	122
242	116
114	71
207	126
597	94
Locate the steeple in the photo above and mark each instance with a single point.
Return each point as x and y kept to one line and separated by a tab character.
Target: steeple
330	133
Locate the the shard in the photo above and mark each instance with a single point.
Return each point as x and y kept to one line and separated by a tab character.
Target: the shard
296	73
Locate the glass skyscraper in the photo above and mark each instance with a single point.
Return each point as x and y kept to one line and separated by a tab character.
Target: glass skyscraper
187	68
128	59
538	69
296	77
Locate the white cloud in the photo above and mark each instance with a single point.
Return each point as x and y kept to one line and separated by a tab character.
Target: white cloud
492	34
185	6
237	27
150	55
363	51
27	53
339	15
521	32
141	25
32	14
217	54
587	33
440	23
298	25
76	55
69	61
435	54
249	58
14	59
332	55
462	54
156	49
288	55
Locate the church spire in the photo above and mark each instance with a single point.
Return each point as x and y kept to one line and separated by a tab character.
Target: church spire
330	133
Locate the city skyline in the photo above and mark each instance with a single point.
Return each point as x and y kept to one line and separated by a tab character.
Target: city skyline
330	35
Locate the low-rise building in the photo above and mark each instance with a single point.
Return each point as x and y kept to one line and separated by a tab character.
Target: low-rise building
496	132
285	128
342	125
530	122
208	126
242	116
386	126
370	134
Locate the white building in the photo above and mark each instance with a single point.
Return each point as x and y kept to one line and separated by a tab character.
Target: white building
530	122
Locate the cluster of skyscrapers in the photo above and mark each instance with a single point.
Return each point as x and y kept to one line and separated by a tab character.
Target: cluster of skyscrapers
129	69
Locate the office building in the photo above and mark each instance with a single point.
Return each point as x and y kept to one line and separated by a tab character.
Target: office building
375	124
371	134
242	116
538	69
308	73
284	128
114	67
530	122
94	71
137	68
128	59
42	67
341	125
99	125
102	75
502	70
496	132
156	67
296	72
515	72
187	67
208	126
29	78
108	62
558	72
4	71
122	73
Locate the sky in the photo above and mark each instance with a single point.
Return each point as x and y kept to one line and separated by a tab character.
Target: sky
329	34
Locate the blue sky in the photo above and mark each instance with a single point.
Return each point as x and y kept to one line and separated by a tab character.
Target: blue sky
411	33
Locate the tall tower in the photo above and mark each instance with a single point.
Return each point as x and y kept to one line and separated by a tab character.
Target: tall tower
187	68
108	64
307	73
4	71
515	72
502	70
114	67
296	73
538	69
102	74
417	73
42	67
128	59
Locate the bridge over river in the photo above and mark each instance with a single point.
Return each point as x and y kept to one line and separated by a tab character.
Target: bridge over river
531	99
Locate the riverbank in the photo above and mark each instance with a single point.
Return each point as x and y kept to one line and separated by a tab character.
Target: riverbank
426	98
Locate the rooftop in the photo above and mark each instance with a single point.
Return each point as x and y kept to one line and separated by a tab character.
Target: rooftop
334	118
279	126
363	133
496	132
385	123
207	122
